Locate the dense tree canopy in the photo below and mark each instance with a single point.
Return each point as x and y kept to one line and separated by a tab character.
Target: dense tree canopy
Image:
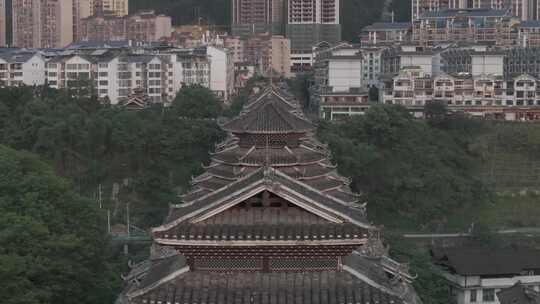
409	171
157	149
53	246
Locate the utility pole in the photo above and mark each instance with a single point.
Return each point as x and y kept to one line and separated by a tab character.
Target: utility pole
126	246
99	196
127	212
108	221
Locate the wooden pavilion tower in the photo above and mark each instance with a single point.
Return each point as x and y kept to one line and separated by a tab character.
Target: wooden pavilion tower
270	221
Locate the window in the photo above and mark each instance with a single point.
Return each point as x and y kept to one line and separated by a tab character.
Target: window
488	295
473	296
103	74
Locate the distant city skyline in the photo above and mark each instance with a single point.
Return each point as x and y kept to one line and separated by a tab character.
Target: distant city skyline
50	23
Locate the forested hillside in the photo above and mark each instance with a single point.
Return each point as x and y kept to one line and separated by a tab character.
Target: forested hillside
150	152
53	246
355	14
412	172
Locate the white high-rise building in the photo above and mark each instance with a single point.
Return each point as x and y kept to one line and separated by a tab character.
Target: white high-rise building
310	22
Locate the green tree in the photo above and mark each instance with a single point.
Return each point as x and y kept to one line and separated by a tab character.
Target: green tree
53	247
411	173
430	286
196	102
436	112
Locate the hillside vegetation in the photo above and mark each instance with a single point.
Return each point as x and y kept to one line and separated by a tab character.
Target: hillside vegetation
53	246
152	153
412	172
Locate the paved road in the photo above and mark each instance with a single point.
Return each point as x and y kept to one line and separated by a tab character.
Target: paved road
529	231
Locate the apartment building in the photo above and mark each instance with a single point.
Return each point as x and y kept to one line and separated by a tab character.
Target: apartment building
372	65
115	74
280	59
42	23
148	26
119	8
419	7
21	68
112	77
81	9
487	96
310	22
193	68
144	26
264	52
477	60
221	72
340	84
102	28
251	17
474	26
386	33
528	34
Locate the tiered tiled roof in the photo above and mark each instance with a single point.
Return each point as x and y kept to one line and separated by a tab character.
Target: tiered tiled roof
303	192
272	112
362	281
269	221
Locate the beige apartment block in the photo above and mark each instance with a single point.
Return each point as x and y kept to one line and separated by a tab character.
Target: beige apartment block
119	7
144	26
42	23
3	26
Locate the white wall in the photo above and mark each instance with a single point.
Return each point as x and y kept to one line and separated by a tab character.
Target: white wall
425	62
487	64
219	70
344	74
112	78
34	71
